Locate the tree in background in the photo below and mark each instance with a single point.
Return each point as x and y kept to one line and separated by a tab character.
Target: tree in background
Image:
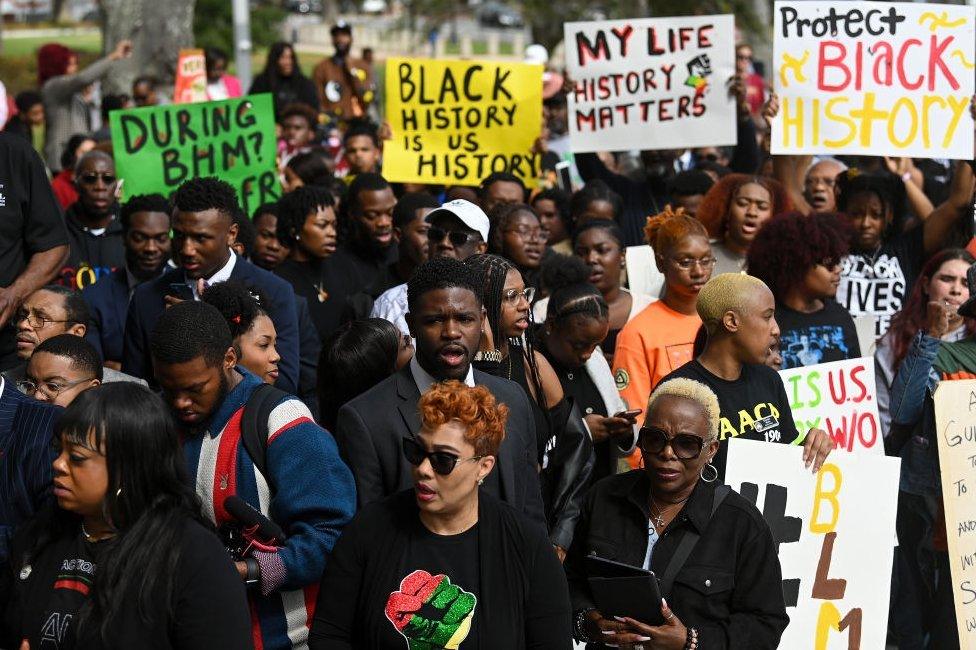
213	24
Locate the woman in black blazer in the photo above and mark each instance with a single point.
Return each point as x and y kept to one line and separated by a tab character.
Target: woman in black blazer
443	565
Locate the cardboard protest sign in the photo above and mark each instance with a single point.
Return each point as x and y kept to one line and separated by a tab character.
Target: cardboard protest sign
456	122
651	83
839	397
835	533
191	78
157	148
955	423
874	79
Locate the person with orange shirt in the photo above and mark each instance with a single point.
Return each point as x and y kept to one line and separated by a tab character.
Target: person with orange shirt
661	337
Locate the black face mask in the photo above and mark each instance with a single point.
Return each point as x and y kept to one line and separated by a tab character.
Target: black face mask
342	51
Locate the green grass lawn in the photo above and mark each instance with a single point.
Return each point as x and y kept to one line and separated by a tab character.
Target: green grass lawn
13	46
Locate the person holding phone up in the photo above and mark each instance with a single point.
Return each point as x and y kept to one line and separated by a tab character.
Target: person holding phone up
711	550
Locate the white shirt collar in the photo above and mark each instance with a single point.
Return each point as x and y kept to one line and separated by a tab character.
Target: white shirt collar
424	380
220	276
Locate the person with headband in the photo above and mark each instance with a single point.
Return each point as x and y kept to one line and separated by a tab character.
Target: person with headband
738	312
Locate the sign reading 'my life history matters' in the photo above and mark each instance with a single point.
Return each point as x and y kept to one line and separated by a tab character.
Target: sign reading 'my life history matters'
839	397
157	148
955	425
872	78
835	533
651	83
456	122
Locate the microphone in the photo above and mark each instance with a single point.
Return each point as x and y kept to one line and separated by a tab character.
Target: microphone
264	529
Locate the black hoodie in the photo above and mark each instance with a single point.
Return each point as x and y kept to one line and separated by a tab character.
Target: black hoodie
92	256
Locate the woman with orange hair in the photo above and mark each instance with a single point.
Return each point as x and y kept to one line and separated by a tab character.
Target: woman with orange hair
443	564
734	210
661	338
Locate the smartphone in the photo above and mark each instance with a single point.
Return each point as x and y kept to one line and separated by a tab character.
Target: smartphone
181	291
565	180
628	414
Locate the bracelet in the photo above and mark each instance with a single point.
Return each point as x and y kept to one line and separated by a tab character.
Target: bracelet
493	356
691	641
253	571
907	176
579	631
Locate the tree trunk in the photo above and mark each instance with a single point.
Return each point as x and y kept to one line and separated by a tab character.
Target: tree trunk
158	30
330	12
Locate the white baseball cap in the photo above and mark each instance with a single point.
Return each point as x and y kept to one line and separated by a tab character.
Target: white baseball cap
469	214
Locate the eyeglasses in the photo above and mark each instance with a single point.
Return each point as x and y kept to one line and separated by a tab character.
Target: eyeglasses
684	445
537	234
50	389
743	57
91	179
36	321
456	238
441	462
512	296
686	263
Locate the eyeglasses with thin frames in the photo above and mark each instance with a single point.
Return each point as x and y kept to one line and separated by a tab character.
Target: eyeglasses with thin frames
50	389
35	321
512	296
686	263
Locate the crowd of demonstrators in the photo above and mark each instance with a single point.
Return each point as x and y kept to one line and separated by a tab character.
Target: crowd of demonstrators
472	368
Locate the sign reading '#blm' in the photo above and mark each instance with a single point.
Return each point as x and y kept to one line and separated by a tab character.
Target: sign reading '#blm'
834	532
839	397
157	148
955	422
650	83
456	122
874	78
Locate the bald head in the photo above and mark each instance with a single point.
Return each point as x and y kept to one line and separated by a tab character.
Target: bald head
736	292
94	155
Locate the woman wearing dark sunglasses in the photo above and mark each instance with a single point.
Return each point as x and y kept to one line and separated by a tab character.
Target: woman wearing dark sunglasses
444	565
726	593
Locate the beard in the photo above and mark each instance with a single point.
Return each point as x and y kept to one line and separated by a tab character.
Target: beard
200	427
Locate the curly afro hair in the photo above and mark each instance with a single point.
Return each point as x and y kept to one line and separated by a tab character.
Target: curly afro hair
789	245
239	305
474	408
714	208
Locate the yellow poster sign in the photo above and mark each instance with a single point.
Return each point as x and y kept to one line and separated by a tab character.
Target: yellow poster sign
456	122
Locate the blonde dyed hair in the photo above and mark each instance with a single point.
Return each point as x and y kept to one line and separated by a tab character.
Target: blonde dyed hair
696	392
724	293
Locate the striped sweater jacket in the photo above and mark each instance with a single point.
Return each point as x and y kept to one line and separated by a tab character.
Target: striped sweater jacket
313	499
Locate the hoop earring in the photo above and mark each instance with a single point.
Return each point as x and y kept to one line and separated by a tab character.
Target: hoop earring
714	475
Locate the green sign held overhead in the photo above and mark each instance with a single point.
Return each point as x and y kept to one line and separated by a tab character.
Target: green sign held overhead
157	148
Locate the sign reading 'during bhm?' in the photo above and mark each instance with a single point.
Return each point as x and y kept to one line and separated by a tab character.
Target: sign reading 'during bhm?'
955	423
456	122
651	83
874	79
839	397
834	532
157	148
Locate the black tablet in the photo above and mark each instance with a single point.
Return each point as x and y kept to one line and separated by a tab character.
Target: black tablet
624	590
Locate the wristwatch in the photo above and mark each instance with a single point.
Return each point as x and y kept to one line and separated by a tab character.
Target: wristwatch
253	576
490	355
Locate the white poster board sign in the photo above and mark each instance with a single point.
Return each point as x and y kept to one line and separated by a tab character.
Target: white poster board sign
835	531
955	422
841	398
874	79
651	83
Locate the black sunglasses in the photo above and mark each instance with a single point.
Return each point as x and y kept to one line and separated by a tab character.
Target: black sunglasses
456	238
91	179
684	445
441	462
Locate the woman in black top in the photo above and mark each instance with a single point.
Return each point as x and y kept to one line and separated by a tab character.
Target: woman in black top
125	559
565	453
443	565
798	258
728	592
284	79
577	320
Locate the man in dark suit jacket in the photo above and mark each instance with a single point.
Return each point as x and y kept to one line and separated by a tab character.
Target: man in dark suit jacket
145	235
203	231
446	316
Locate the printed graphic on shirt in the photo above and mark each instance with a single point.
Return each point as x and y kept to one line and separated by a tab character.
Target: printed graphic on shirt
622	379
78	277
808	346
761	422
679	354
876	288
76	575
430	612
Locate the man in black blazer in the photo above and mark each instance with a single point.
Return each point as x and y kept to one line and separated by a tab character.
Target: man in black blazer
203	231
445	319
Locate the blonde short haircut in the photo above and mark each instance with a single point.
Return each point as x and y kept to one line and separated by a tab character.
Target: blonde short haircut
696	392
724	293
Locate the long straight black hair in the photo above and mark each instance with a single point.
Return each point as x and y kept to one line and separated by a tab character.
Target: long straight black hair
148	501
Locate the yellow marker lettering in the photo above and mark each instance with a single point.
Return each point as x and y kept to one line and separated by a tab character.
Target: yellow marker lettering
837	117
927	102
820	495
791	120
908	105
959	105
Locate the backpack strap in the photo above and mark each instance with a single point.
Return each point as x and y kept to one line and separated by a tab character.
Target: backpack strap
254	426
687	544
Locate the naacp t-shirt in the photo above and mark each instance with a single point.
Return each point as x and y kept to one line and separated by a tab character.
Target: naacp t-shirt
434	604
878	283
754	406
819	337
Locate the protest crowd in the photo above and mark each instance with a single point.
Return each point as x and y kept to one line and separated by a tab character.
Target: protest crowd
648	348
